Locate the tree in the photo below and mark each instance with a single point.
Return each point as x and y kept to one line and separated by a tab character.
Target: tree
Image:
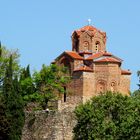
49	83
137	92
138	74
4	61
9	67
13	104
26	82
4	124
108	116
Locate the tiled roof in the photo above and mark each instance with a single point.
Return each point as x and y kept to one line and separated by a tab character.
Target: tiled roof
107	54
108	59
125	72
88	28
84	68
96	55
74	55
85	52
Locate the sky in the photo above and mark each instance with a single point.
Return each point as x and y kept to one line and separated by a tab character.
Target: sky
41	29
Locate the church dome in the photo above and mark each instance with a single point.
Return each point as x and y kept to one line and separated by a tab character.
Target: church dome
89	28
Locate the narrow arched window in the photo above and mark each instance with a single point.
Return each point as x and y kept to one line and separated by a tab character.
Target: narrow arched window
101	86
113	86
97	46
86	45
65	94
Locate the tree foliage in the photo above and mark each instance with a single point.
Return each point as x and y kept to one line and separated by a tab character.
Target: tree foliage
45	85
4	61
108	116
11	103
18	87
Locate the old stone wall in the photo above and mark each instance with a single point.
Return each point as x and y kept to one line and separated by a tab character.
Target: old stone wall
125	84
52	125
88	85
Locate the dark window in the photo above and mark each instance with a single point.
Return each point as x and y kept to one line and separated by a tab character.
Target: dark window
65	94
97	46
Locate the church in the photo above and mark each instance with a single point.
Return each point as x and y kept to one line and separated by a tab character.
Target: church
92	68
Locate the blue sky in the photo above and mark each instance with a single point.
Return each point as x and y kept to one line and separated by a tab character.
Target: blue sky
41	29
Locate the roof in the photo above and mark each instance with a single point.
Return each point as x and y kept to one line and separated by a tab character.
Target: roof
96	55
125	72
88	28
107	59
85	52
105	54
74	55
84	68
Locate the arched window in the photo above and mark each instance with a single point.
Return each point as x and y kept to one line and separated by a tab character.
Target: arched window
101	86
97	46
65	94
86	45
113	86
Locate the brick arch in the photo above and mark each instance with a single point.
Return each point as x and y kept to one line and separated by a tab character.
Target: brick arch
101	86
86	45
113	86
101	46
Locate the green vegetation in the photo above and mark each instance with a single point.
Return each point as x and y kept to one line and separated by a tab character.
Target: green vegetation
45	85
12	118
109	116
18	88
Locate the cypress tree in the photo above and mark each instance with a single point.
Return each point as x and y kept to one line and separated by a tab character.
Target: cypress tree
28	74
0	50
4	124
14	104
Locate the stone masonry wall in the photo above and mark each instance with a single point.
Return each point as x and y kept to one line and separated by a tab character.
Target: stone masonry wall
125	84
53	125
88	85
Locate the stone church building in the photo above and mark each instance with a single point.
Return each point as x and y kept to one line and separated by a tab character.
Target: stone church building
93	69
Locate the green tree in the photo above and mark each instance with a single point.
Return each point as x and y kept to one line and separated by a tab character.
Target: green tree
138	74
49	83
26	83
137	92
4	61
109	116
4	124
13	104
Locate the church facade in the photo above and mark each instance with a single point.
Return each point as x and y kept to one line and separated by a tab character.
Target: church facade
93	69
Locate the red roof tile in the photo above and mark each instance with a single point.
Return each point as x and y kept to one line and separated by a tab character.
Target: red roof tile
100	54
125	72
84	68
74	55
88	28
107	59
107	54
85	52
96	55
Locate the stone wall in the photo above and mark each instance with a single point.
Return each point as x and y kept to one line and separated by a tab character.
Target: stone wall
88	85
53	125
125	84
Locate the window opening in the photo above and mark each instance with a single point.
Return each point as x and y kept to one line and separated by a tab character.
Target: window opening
65	94
97	46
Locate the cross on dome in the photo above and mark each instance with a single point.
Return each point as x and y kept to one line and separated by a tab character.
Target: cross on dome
89	21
